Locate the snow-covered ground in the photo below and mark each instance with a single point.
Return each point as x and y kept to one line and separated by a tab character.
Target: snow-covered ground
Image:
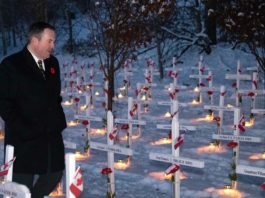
144	177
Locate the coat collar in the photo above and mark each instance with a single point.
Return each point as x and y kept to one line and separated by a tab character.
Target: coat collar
31	64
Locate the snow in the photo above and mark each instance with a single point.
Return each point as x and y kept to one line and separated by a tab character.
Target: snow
136	181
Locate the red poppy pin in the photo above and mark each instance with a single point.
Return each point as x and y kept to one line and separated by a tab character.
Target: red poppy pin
52	70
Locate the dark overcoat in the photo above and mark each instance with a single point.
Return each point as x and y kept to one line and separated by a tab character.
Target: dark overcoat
31	108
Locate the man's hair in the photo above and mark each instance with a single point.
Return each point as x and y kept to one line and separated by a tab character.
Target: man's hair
37	28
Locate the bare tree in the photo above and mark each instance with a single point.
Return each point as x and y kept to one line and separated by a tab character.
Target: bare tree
118	29
244	22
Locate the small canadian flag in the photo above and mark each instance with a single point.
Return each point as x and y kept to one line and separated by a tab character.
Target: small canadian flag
133	110
76	187
114	133
242	124
179	140
5	167
172	169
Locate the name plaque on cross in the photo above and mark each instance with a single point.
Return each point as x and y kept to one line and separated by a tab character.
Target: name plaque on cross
179	160
237	138
85	117
235	76
182	127
212	107
126	121
113	148
250	170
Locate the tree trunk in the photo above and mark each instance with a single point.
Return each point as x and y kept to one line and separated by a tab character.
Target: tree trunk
197	16
159	56
41	10
69	20
111	86
210	20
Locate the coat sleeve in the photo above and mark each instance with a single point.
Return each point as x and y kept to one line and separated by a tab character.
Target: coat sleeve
8	108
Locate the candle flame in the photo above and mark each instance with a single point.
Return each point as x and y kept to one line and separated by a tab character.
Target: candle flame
207	118
122	165
167	115
134	137
120	95
211	148
67	103
58	192
96	93
162	176
249	123
227	192
72	123
143	97
83	107
196	89
2	134
122	88
257	156
81	156
98	131
195	102
162	141
230	193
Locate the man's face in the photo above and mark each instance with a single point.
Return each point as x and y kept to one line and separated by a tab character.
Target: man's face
45	44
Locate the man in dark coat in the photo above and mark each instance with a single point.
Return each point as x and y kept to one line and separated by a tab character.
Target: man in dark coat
30	105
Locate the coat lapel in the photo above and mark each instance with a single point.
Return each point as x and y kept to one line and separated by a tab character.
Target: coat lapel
31	65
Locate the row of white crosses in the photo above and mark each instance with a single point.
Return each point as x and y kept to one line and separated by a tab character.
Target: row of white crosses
81	81
235	139
73	75
174	158
133	111
90	97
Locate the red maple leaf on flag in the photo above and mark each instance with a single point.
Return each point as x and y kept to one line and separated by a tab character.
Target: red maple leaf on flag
172	169
5	167
179	141
232	144
76	187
